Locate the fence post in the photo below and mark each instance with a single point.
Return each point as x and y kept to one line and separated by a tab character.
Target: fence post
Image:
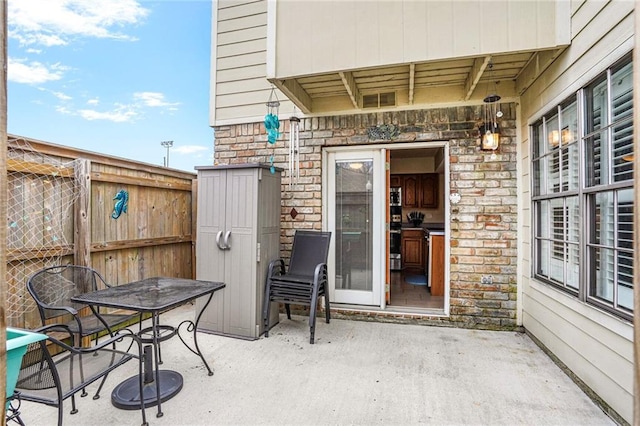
194	225
3	198
82	214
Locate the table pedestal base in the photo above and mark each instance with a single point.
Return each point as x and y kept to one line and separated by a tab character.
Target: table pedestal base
127	394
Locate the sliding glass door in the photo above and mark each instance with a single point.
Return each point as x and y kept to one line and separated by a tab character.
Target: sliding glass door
355	185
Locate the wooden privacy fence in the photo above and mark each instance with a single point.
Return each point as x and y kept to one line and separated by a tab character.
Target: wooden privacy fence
61	209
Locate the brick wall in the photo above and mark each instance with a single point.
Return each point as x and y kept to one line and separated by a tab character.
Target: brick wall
483	225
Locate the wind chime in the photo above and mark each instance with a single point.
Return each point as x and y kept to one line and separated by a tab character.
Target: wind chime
294	149
272	123
490	130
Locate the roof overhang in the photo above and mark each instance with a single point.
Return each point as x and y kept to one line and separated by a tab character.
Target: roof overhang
444	81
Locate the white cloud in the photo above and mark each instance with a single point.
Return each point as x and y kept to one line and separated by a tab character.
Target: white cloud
19	71
62	96
55	22
42	39
154	99
121	114
63	110
190	149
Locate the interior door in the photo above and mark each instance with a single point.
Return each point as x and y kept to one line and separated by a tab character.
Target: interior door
356	181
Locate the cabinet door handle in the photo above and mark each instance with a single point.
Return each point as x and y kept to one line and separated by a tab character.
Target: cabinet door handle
218	235
226	241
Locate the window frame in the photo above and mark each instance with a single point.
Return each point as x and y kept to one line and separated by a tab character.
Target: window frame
551	164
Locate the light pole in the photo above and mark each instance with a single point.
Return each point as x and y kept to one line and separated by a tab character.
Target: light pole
167	144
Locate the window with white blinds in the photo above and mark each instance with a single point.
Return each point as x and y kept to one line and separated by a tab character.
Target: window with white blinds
582	193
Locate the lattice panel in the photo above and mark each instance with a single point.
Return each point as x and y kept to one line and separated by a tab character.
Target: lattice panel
41	193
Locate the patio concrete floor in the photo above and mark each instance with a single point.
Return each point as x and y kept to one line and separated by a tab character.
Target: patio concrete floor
357	373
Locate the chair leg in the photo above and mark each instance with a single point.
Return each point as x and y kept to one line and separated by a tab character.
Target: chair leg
60	413
13	409
18	420
77	339
312	324
312	320
266	308
327	309
74	410
97	394
266	315
312	311
288	309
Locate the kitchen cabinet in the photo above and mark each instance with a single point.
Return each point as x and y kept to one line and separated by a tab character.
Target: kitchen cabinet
410	191
395	181
418	190
429	190
412	249
436	263
238	234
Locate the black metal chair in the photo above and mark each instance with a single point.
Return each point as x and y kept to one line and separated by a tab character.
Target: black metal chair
304	282
53	371
52	289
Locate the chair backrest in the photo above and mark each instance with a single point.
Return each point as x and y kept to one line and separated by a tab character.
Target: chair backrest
51	370
309	249
37	370
55	286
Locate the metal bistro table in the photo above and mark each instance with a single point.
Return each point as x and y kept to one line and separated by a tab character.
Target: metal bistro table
153	295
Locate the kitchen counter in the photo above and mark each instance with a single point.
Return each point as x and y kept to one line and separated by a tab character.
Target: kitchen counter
414	245
431	227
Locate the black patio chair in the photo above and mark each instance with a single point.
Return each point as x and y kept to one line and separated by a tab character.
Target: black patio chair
52	289
52	371
304	282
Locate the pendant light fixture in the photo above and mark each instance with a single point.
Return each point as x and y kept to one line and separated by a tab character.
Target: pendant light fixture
490	130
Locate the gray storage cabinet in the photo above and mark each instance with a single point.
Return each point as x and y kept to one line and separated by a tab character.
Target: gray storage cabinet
238	234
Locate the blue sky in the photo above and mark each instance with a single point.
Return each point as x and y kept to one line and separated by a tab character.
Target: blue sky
113	76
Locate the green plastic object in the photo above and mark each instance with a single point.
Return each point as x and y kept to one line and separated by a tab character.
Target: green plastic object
17	342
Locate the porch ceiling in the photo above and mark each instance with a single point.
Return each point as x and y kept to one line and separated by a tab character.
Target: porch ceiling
313	93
